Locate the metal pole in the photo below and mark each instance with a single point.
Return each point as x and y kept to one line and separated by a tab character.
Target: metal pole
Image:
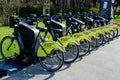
112	10
46	7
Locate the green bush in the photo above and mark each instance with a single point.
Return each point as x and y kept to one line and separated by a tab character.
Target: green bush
70	9
54	10
26	10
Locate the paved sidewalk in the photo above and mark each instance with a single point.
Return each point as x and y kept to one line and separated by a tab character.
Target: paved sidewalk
101	64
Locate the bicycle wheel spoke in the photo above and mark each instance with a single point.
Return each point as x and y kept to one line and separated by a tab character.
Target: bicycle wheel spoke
9	47
52	62
71	54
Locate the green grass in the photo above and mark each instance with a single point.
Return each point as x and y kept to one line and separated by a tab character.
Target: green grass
117	19
4	31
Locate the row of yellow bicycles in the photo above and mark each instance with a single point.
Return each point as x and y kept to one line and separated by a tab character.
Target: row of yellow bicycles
51	46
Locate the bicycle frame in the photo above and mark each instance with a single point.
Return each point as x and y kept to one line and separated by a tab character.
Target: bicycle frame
19	39
63	39
42	51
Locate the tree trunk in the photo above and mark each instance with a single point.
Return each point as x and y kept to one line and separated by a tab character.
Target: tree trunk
10	7
94	3
5	17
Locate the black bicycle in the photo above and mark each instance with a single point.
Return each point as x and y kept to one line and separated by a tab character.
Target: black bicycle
25	44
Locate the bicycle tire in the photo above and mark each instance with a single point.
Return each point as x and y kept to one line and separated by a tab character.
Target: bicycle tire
11	43
71	54
106	37
100	40
116	32
111	33
93	44
45	62
84	48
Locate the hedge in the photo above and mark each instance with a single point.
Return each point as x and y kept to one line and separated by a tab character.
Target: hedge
25	11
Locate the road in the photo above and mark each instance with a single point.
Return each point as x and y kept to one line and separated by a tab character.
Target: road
101	64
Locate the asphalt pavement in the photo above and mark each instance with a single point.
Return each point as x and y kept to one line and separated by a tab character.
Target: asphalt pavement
101	64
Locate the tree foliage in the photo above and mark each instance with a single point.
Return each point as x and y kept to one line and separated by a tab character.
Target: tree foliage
8	8
75	3
11	7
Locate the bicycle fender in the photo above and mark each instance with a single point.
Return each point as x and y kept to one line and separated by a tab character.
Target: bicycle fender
103	29
97	32
100	31
80	37
15	48
64	41
47	47
109	27
89	34
48	36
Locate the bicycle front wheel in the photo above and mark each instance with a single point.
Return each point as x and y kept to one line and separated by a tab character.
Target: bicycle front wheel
9	47
52	62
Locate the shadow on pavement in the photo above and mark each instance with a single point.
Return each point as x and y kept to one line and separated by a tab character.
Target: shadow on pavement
30	72
79	59
64	67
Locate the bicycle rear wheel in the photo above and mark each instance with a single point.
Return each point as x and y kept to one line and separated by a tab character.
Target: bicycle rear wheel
116	33
100	40
106	37
9	47
52	62
93	44
111	33
71	54
84	48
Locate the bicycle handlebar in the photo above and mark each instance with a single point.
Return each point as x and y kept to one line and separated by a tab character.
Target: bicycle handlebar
42	29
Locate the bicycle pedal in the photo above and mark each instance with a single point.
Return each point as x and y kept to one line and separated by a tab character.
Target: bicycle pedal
25	60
